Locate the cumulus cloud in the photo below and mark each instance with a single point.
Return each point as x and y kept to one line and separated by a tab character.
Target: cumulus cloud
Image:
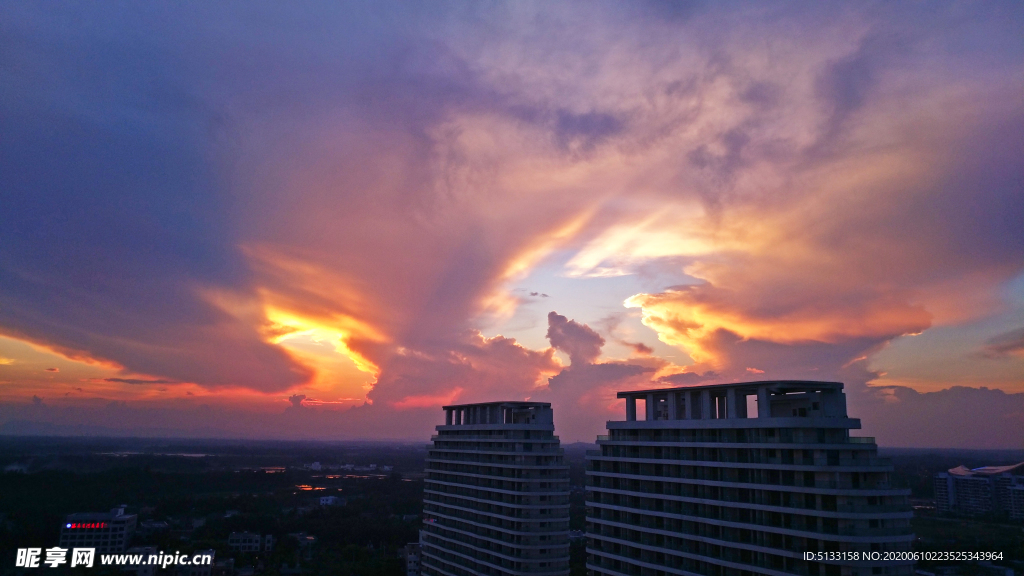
818	182
471	369
588	385
580	342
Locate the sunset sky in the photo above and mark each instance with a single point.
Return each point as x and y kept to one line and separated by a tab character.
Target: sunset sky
268	220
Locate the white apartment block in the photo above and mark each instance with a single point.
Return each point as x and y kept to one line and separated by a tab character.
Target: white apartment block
496	495
741	480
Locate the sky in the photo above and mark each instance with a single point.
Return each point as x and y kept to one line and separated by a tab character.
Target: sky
326	220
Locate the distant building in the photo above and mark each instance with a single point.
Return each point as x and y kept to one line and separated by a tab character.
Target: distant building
985	490
315	466
224	568
144	568
1017	501
332	501
249	542
149	528
496	497
107	532
306	543
199	569
411	552
741	479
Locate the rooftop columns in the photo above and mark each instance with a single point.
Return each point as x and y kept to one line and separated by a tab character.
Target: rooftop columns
764	407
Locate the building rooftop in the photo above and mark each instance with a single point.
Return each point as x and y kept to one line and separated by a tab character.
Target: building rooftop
1015	469
114	514
507	413
505	403
760	403
775	386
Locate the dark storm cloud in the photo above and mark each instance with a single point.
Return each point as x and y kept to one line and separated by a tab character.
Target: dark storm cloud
138	381
117	241
1004	345
957	417
114	217
638	347
685	378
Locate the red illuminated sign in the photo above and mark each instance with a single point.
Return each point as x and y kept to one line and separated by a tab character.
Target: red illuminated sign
76	525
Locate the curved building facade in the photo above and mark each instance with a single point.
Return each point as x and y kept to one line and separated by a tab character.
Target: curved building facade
496	495
758	478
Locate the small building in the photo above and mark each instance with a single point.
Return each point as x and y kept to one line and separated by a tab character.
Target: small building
224	568
149	528
411	553
315	466
245	542
143	567
107	532
333	501
205	568
306	543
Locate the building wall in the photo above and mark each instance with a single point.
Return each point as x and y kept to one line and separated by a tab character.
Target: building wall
496	496
1017	500
944	492
728	495
974	494
107	533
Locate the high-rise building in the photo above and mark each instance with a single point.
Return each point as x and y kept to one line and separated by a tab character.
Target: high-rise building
107	532
985	490
742	479
496	495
